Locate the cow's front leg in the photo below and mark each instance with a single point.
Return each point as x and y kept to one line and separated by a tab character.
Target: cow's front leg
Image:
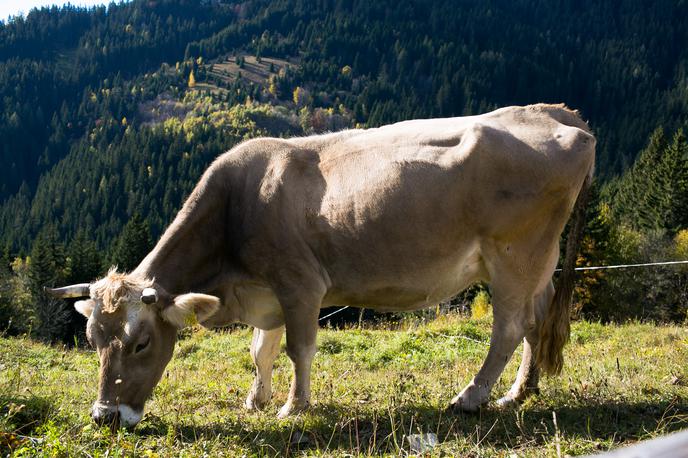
301	322
265	347
508	329
301	355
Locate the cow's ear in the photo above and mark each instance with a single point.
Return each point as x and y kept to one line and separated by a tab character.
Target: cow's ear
188	309
85	307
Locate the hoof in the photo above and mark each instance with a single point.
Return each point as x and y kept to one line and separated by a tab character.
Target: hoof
470	400
457	407
253	403
507	402
291	409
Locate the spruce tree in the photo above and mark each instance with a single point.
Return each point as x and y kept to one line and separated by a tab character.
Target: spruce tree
672	180
5	260
635	203
133	244
47	264
46	268
83	259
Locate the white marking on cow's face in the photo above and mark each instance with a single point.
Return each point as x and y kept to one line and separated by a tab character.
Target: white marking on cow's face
132	323
129	417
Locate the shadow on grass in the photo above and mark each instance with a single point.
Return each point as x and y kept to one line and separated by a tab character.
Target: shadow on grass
23	414
331	427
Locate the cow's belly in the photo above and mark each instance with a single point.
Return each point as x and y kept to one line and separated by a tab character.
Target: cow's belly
250	303
423	286
258	306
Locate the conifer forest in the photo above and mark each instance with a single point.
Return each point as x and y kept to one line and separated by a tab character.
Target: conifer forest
109	116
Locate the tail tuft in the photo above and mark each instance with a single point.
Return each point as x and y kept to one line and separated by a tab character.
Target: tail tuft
555	328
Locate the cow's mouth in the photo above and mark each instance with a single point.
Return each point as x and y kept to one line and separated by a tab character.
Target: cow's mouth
115	416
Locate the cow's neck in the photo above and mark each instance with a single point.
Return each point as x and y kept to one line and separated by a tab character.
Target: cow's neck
189	256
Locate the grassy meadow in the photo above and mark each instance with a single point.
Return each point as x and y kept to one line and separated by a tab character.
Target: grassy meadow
372	387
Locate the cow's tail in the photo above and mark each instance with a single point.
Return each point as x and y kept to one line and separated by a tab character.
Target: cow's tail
555	328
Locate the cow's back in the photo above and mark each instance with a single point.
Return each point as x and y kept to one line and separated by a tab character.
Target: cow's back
398	215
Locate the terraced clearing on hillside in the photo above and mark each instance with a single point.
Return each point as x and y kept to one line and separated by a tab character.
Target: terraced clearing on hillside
254	70
371	388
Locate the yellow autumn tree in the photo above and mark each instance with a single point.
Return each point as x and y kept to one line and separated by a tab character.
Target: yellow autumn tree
480	306
272	86
681	244
192	79
301	97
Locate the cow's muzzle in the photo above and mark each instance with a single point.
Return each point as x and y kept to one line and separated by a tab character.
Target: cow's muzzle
115	416
105	415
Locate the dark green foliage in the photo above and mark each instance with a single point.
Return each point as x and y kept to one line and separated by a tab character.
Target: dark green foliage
69	76
84	262
54	318
132	245
8	313
5	260
98	123
634	192
656	293
653	194
596	249
47	262
640	218
621	65
671	181
52	60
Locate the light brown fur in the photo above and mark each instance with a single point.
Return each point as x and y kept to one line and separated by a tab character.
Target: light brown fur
117	289
394	218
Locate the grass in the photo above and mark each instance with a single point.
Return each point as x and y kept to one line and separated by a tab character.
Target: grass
372	387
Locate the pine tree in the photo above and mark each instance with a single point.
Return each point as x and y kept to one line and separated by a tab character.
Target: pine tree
672	180
5	260
133	244
47	264
638	193
83	259
7	309
597	248
54	317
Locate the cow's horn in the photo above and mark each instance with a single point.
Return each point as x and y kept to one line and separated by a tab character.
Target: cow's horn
149	296
79	290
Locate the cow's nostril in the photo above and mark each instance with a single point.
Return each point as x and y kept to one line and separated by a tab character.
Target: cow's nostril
108	417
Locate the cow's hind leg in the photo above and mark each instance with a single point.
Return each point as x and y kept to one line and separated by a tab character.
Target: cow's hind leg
528	373
265	347
511	308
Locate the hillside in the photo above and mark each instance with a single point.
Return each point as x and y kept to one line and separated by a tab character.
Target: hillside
110	115
75	84
372	387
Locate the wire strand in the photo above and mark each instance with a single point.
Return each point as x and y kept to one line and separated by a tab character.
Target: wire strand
618	266
334	313
623	266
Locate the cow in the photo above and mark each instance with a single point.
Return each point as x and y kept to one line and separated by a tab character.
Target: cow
394	218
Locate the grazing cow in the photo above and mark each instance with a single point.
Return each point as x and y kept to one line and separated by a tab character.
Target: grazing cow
394	218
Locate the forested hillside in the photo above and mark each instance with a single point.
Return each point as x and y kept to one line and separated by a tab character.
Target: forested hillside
110	115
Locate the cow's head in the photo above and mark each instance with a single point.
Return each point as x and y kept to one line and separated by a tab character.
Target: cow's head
132	323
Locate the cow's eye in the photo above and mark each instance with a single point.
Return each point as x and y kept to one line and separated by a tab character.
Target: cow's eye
142	345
